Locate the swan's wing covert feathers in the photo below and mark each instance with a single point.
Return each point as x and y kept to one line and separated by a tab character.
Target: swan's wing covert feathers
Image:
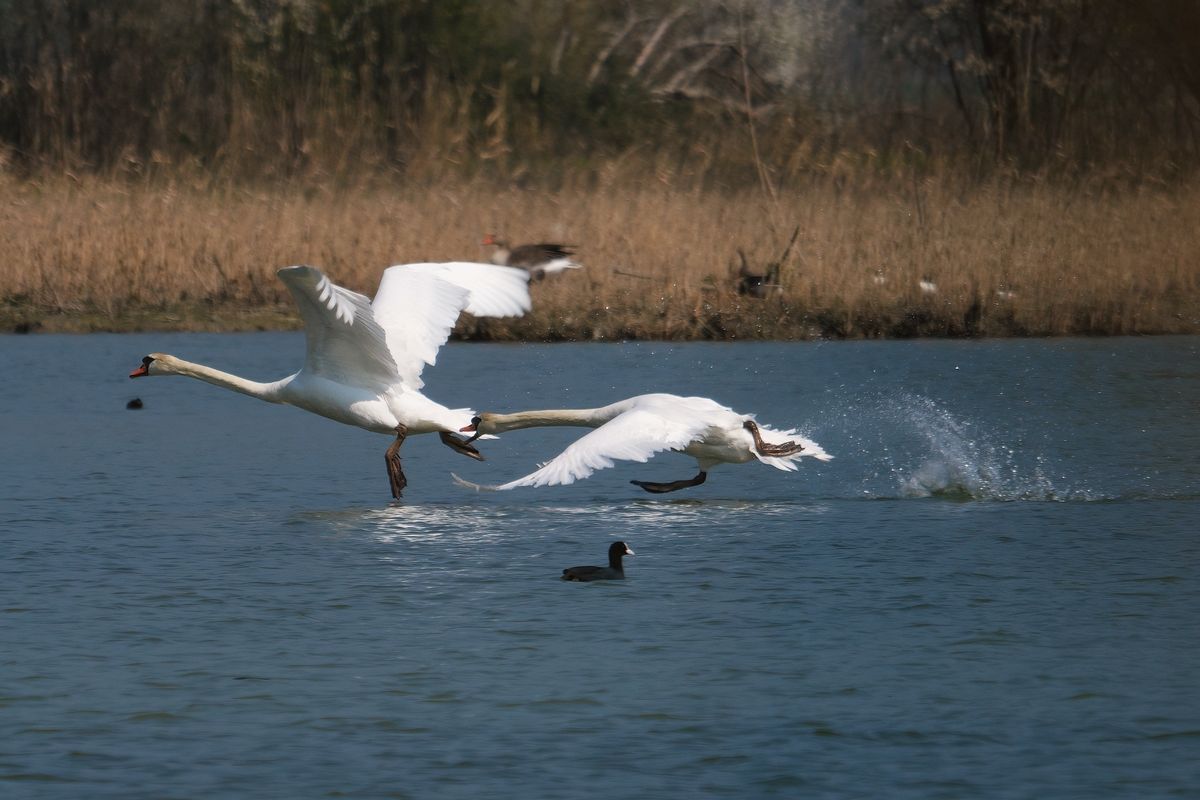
417	310
344	342
493	291
418	304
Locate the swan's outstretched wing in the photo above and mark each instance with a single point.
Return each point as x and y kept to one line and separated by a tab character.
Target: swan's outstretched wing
345	343
417	310
494	291
418	304
635	435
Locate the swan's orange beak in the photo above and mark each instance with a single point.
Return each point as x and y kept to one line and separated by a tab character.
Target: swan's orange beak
468	429
139	372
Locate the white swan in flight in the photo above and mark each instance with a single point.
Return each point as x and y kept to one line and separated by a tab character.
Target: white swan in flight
364	358
639	427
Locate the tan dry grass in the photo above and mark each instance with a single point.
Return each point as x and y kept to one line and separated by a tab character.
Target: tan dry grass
104	254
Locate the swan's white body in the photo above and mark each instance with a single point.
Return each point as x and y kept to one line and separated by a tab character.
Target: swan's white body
637	428
364	358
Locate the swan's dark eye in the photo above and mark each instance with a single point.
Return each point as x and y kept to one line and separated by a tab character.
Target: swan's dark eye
476	420
146	362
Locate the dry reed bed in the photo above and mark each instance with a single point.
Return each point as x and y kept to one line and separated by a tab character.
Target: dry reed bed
1007	259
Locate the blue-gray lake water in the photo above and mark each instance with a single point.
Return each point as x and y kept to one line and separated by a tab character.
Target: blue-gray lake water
991	592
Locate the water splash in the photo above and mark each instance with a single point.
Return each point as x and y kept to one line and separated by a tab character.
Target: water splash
960	462
931	452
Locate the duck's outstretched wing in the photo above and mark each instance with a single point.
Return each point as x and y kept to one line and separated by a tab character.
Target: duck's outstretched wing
635	435
344	341
418	304
540	254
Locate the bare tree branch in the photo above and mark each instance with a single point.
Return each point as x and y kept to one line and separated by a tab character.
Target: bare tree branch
656	37
614	42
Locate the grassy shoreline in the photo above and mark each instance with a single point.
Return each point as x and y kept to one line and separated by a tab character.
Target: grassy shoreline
1007	259
771	320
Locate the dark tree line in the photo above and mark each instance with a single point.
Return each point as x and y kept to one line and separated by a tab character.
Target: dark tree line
781	86
1034	80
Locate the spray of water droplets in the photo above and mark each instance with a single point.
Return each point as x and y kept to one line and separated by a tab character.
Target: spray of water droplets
914	447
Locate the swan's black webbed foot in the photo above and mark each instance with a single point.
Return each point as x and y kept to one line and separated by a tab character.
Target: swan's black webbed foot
461	445
395	474
765	449
663	488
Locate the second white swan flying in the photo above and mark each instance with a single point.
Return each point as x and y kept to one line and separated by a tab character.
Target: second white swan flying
639	427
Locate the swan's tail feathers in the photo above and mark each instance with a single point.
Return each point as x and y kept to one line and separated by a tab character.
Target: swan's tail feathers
809	448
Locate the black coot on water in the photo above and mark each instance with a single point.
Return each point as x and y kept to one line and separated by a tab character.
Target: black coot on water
614	570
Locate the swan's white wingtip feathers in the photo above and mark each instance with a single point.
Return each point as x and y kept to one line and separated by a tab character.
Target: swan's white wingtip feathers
298	269
466	484
479	487
330	295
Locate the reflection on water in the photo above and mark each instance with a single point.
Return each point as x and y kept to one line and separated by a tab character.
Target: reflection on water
417	522
490	524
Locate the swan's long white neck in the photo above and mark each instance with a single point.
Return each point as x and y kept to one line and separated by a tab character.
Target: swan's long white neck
560	417
170	365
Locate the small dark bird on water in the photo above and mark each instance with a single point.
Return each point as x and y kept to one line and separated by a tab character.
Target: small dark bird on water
134	404
614	570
